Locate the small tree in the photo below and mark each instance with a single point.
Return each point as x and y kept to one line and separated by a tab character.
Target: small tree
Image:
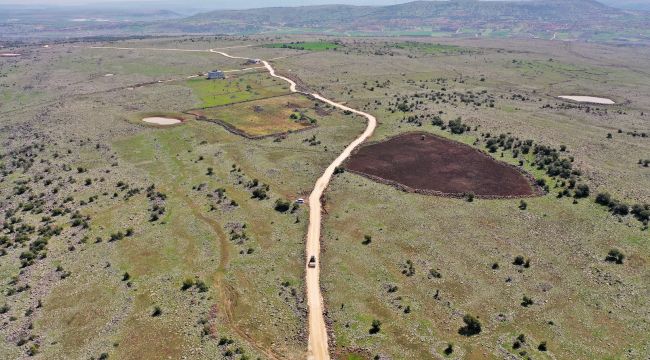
157	311
367	239
519	260
187	283
449	349
282	205
375	327
472	326
523	205
542	346
526	301
615	256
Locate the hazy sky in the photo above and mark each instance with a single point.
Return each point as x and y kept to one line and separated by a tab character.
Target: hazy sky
212	3
223	4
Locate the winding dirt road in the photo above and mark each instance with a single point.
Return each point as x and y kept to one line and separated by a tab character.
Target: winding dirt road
318	339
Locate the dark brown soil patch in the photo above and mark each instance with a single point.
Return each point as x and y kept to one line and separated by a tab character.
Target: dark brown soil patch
426	163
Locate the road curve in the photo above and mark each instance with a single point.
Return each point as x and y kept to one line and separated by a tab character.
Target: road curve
318	344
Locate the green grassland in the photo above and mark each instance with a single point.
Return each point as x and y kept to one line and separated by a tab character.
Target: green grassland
89	153
265	117
236	89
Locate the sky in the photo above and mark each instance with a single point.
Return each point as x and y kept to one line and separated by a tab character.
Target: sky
238	4
211	3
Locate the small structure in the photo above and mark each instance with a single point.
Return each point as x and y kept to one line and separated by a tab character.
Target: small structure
300	201
216	74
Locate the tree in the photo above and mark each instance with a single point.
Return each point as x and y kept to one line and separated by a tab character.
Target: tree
282	205
604	199
519	260
472	326
375	327
187	283
449	349
523	205
582	191
615	256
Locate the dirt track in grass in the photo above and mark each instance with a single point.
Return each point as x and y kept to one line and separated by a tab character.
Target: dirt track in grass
431	164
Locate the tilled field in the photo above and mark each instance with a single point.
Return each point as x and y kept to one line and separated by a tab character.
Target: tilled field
427	163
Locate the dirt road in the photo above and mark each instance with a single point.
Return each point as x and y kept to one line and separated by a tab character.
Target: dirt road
318	343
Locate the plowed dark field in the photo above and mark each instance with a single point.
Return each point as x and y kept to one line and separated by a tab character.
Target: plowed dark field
429	163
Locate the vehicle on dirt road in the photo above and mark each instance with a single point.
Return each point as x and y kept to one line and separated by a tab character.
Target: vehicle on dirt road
312	262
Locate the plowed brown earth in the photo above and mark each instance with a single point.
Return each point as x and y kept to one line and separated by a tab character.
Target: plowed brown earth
429	163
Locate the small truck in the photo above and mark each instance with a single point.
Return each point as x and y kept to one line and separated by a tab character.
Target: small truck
312	262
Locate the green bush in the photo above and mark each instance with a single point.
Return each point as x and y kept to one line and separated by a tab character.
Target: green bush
472	326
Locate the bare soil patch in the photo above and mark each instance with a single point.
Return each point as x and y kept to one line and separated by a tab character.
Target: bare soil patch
426	163
588	99
159	120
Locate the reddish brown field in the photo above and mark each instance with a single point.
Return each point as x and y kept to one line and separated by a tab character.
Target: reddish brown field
427	163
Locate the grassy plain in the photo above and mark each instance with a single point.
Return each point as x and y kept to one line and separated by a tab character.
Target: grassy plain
265	117
79	303
236	89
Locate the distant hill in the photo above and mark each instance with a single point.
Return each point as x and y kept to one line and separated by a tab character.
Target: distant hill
571	18
629	4
548	19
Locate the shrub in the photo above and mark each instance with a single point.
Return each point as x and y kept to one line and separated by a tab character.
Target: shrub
375	327
526	301
523	205
620	209
126	276
366	239
187	283
282	205
157	311
449	349
519	260
472	326
603	199
582	191
615	255
542	346
201	286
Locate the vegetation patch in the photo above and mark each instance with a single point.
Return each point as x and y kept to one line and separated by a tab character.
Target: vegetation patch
264	117
437	49
427	163
236	89
309	46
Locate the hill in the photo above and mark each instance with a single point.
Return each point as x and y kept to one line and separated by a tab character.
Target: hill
493	18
